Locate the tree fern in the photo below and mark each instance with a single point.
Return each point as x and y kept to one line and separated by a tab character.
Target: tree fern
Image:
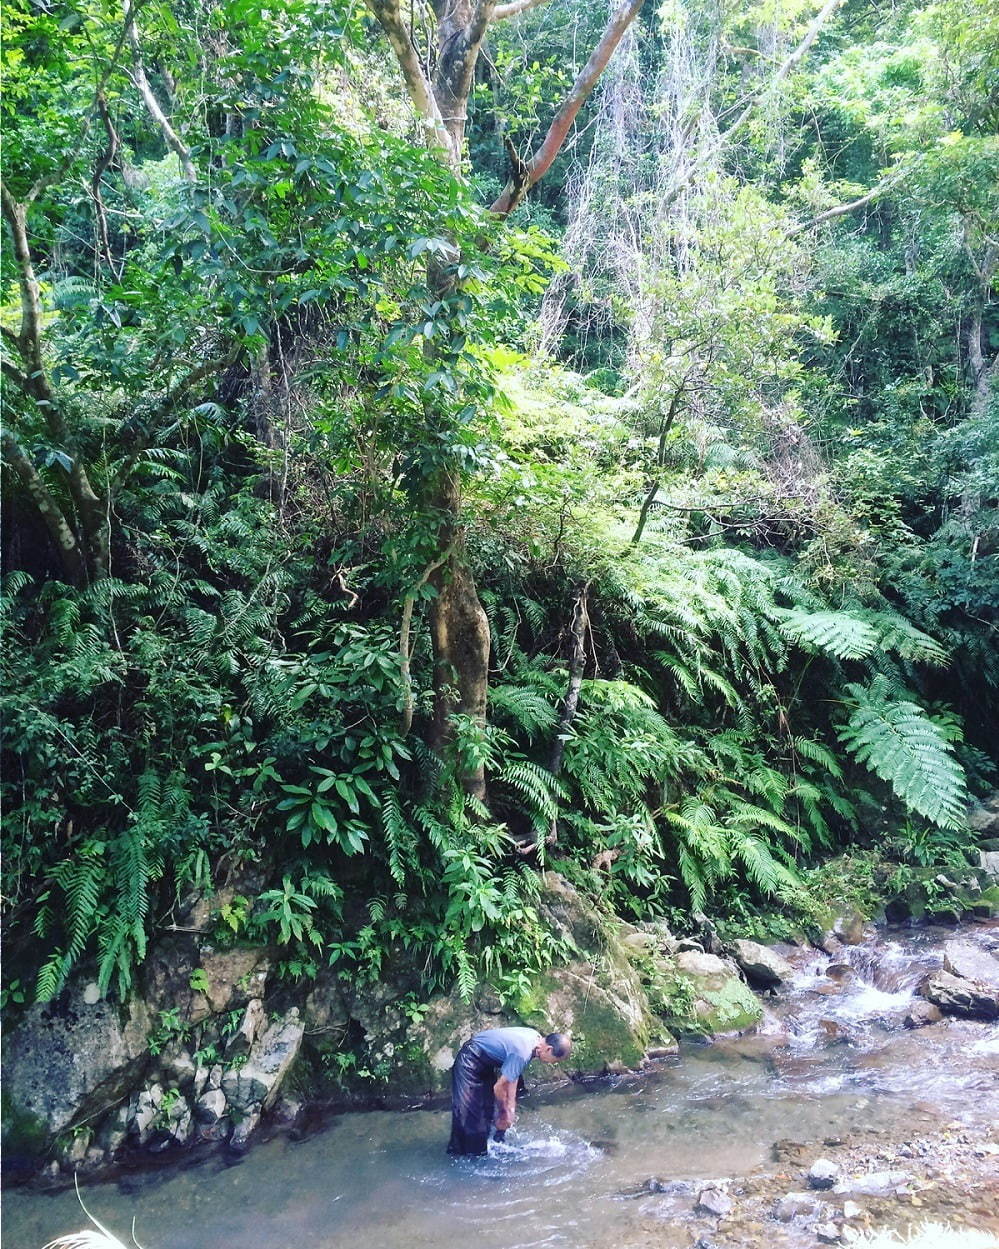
902	745
858	634
841	634
527	708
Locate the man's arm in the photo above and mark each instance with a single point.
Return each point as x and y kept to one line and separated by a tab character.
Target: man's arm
505	1092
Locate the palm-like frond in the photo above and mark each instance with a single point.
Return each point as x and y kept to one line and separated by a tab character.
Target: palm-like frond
899	742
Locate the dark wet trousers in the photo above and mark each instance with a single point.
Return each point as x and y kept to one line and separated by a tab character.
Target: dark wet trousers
472	1101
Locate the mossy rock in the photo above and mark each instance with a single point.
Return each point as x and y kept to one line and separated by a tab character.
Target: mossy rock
601	1005
597	999
26	1138
701	995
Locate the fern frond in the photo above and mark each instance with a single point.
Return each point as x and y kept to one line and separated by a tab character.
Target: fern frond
528	709
842	634
902	745
818	753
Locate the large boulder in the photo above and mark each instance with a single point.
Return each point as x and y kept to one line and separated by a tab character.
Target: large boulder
968	985
255	1085
597	999
703	994
984	818
423	1051
762	966
66	1061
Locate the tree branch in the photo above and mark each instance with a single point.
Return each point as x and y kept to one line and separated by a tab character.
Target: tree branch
417	84
36	384
516	6
841	210
138	76
60	530
558	131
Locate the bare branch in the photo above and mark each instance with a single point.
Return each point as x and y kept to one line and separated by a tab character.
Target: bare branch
138	76
558	131
516	6
841	210
103	246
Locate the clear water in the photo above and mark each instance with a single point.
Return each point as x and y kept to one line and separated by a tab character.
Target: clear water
383	1181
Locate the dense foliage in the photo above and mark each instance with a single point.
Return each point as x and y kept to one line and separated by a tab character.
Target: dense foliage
711	424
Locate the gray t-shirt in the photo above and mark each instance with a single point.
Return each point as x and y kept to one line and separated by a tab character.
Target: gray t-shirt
511	1048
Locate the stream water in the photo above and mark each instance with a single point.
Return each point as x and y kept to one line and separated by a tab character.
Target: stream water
832	1059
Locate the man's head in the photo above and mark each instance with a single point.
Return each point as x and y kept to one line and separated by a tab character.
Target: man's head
554	1047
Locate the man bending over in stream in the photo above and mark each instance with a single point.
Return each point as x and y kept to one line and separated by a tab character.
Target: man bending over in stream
485	1077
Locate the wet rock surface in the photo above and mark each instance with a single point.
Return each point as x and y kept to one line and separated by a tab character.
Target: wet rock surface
763	967
951	1177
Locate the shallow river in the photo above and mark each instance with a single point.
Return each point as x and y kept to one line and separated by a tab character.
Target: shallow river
382	1181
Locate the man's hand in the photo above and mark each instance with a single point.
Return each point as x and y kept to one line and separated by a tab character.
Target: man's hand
504	1122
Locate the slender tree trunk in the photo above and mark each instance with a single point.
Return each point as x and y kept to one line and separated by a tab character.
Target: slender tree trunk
459	628
74	565
33	379
459	631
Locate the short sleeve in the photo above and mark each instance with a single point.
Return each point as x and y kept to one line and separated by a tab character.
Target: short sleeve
513	1068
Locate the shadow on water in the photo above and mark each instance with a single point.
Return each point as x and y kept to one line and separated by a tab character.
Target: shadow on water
836	1060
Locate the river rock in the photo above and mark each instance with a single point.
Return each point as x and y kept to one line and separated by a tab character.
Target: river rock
957	996
713	1201
875	1184
258	1081
252	1026
239	1142
720	1001
796	1205
599	1000
921	1013
763	967
823	1173
65	1061
144	1110
665	941
962	958
638	944
210	1107
984	818
827	1233
179	1121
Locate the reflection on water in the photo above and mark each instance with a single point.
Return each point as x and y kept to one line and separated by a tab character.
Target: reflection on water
383	1181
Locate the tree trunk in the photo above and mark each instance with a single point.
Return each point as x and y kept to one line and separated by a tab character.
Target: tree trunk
459	628
459	631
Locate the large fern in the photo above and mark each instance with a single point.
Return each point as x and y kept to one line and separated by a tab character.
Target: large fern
899	742
858	634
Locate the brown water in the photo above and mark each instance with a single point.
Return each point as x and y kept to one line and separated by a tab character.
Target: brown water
382	1181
